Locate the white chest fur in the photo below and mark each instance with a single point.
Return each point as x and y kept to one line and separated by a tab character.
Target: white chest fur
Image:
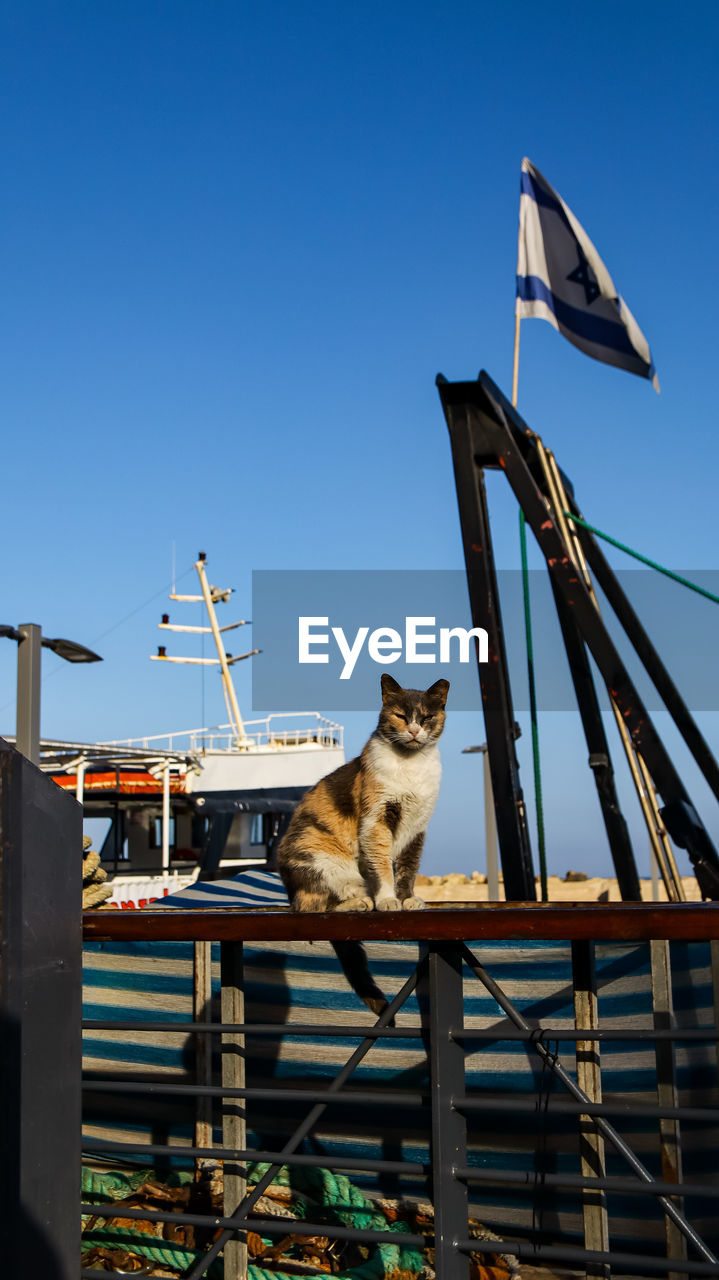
408	780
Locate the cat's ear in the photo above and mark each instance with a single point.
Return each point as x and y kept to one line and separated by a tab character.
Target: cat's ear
439	691
389	686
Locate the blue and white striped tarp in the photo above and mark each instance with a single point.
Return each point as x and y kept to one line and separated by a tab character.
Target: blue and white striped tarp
251	888
301	982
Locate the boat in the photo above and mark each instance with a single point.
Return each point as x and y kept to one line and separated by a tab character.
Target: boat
199	803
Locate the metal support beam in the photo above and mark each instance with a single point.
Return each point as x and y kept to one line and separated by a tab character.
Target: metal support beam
29	662
600	761
485	605
449	1127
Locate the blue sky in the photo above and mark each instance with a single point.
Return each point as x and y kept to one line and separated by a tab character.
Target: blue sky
241	239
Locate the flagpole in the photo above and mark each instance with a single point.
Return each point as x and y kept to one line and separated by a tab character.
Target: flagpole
530	655
515	370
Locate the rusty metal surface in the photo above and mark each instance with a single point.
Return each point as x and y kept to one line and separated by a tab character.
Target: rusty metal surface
566	921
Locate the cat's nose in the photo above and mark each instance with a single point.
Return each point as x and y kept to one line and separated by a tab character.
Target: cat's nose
414	730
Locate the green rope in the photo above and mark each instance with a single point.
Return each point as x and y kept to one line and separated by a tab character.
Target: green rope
153	1247
325	1188
381	1265
533	711
668	573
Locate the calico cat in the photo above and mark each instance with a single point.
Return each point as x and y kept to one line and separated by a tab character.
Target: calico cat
355	840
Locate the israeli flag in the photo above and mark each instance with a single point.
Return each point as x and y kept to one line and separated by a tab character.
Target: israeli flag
561	278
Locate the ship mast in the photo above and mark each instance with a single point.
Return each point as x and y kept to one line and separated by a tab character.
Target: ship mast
210	597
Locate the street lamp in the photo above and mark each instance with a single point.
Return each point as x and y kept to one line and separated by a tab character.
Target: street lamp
30	642
490	820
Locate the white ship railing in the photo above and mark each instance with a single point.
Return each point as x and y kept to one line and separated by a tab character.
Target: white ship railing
280	731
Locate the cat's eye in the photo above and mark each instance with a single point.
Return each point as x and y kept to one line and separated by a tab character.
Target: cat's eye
400	716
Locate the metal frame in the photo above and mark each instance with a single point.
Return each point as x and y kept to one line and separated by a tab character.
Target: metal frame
444	966
487	432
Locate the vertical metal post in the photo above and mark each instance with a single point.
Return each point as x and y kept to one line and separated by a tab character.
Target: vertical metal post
449	1129
80	783
667	1095
234	1120
29	659
714	946
493	675
166	818
202	1012
40	1020
589	1078
490	832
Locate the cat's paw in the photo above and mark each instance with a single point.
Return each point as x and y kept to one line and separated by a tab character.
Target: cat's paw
356	904
413	904
388	904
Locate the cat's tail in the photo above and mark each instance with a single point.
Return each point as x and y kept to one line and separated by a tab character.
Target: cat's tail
353	959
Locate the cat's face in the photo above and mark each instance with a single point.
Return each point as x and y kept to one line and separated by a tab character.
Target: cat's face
412	718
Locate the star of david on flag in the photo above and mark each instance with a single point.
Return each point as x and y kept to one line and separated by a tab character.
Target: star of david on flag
561	278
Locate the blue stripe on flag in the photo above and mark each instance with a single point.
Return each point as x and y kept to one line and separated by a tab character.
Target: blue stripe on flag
530	187
605	333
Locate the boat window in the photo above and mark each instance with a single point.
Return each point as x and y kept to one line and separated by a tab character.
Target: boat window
156	833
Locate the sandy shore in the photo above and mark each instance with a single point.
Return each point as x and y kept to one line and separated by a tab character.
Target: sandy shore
460	888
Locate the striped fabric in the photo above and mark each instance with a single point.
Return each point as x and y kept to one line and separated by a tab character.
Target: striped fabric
251	888
561	278
301	982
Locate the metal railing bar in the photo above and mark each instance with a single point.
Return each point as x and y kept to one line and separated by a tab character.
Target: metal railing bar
700	1034
560	921
603	1125
535	1181
270	1226
641	1263
309	1122
361	1163
542	1034
558	1105
257	1028
363	1097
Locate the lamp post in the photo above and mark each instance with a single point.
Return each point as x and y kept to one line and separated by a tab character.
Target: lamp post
30	642
490	820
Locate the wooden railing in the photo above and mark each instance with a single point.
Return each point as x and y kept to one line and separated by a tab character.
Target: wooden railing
566	921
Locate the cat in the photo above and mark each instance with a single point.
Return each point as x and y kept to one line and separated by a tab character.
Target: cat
355	839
